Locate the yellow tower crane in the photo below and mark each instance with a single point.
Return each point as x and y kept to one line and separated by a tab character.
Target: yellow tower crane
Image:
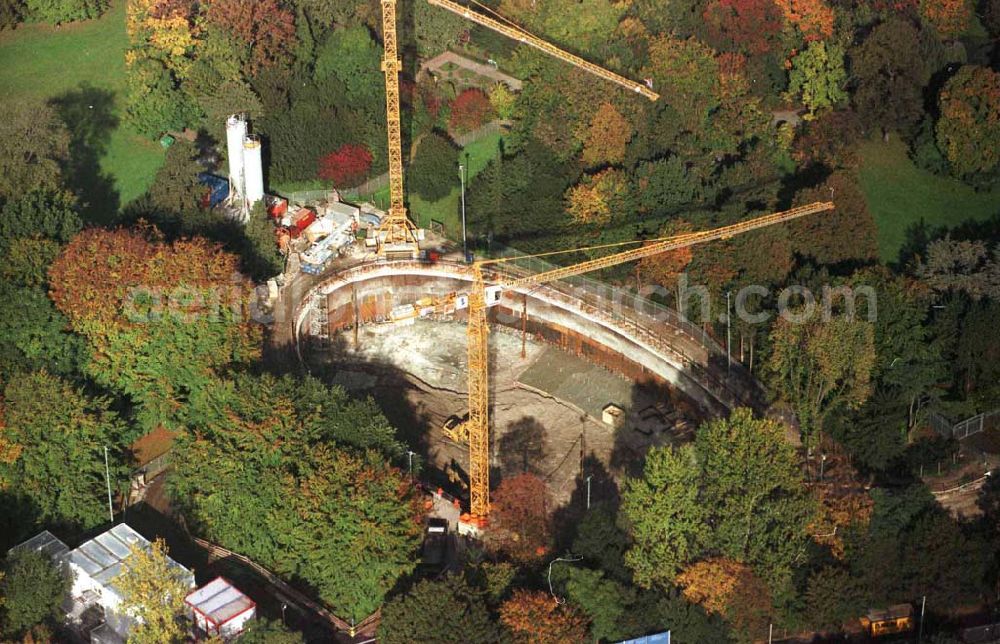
396	235
488	282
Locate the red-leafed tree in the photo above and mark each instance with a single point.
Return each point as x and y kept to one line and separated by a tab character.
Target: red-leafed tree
814	18
521	517
264	27
533	616
743	25
469	110
347	166
949	17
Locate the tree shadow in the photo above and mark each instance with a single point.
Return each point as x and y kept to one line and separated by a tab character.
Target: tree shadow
596	485
522	447
88	113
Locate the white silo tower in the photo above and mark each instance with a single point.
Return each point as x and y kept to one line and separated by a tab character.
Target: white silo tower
253	170
236	132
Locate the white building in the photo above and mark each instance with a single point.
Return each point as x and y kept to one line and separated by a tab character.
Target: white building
219	608
95	566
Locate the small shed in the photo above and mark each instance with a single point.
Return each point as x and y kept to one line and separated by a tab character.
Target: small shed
613	415
219	608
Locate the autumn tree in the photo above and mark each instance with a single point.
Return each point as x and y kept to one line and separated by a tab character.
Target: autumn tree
158	317
686	75
33	588
814	18
950	18
818	77
153	592
502	100
34	145
665	268
347	166
49	428
731	589
819	366
845	234
470	109
968	130
607	137
264	29
749	26
598	197
535	617
446	610
519	509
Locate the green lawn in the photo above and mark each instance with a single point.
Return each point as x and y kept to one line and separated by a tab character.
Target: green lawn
900	195
44	62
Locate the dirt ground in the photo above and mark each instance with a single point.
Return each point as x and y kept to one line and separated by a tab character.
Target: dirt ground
545	408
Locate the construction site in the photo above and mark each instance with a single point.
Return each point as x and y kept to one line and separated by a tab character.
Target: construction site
495	365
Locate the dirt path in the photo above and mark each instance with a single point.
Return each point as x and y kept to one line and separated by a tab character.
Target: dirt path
435	64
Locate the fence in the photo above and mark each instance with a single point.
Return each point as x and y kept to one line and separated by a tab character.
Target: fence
965	428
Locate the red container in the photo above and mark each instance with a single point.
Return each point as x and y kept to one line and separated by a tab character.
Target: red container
276	207
302	220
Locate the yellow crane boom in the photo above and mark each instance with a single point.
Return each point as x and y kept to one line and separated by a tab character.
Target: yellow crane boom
523	36
476	428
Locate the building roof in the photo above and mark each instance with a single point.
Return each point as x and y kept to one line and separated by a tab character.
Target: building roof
101	558
219	601
46	543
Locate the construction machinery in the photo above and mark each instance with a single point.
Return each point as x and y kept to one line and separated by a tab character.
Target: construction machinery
490	278
397	236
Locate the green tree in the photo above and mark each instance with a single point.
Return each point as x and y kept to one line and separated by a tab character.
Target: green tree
434	170
890	69
601	541
821	365
175	189
153	592
666	520
60	11
51	214
154	103
35	336
752	486
968	129
352	56
26	261
270	631
288	476
34	143
444	611
818	77
33	588
52	429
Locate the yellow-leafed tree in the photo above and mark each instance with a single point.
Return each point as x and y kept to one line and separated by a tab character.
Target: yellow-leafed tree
153	594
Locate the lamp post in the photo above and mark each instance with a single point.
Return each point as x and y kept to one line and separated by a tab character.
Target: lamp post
588	490
107	480
409	462
465	245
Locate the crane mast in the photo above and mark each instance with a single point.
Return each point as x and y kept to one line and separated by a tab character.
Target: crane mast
397	233
523	36
476	428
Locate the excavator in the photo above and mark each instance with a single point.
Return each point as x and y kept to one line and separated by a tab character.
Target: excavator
397	237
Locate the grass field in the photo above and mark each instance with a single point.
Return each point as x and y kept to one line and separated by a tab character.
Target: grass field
48	63
900	195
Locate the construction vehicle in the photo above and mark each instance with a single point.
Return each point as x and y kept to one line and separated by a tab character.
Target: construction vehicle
397	236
